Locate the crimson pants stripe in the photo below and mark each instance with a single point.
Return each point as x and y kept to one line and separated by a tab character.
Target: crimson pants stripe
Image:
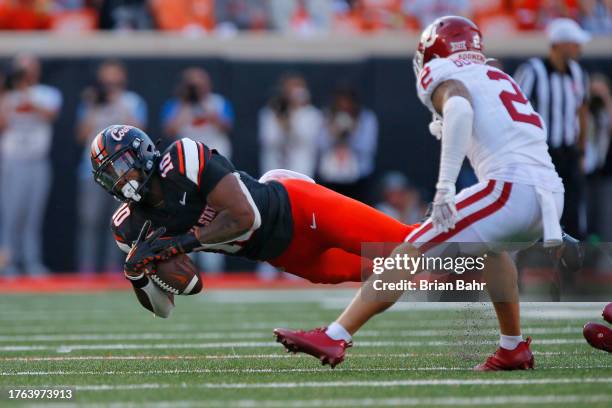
471	219
460	205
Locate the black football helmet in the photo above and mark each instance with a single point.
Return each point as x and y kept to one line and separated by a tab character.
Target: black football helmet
120	150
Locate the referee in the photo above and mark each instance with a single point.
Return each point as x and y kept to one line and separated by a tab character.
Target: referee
557	87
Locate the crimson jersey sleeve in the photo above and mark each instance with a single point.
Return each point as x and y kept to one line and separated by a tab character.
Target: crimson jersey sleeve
193	166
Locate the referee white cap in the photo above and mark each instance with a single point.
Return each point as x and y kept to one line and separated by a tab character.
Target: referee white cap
566	30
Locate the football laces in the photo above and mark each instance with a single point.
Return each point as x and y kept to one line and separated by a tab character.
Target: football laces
164	285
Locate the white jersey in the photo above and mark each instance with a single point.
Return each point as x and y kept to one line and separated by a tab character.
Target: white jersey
28	134
508	138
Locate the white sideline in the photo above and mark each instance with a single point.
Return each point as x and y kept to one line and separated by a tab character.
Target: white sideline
364	402
333	384
67	348
266	370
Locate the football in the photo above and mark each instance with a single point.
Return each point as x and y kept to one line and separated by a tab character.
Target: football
178	276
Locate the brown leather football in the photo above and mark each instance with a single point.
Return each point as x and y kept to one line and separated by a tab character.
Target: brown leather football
178	276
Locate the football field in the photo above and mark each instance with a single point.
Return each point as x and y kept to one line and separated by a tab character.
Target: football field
217	350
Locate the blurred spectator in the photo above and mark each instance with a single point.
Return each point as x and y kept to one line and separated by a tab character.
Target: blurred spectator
558	89
301	16
598	158
198	113
74	15
289	128
103	104
596	16
242	14
24	15
600	115
348	145
426	11
27	112
400	199
372	15
126	14
184	15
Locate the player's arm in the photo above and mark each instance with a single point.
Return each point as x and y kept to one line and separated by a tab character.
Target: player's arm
452	100
235	214
149	295
223	190
236	218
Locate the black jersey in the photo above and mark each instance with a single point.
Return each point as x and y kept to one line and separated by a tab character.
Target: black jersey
188	172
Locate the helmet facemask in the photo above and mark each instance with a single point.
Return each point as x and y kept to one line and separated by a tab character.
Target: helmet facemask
115	171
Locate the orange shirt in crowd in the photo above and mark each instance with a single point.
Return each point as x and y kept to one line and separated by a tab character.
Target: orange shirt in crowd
24	15
177	15
374	15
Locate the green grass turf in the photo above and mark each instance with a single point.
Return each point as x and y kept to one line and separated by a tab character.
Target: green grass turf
110	351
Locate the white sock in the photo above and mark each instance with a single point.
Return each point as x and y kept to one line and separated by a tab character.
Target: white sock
509	342
337	332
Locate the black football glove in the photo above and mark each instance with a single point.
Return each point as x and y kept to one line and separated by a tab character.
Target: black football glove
141	254
152	248
166	248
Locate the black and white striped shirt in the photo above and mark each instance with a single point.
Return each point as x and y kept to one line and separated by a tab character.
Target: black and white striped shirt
556	96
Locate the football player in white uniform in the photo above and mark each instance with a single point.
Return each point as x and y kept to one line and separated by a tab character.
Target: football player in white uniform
481	113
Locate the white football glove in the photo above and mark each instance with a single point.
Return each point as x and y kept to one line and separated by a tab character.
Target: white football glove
436	127
444	211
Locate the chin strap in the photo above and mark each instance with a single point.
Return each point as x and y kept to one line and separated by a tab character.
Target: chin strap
129	190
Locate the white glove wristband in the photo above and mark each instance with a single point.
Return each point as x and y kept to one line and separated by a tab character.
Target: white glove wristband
436	127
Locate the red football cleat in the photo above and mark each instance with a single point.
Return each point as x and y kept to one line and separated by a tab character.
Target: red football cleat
607	313
314	342
520	358
598	336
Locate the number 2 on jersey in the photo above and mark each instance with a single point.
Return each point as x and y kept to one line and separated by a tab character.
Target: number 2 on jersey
508	99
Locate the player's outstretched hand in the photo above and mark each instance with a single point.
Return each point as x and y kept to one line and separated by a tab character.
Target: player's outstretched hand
444	211
166	248
142	252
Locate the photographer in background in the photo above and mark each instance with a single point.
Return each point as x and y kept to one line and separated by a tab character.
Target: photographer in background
201	115
198	113
348	145
103	104
401	199
289	127
27	112
598	158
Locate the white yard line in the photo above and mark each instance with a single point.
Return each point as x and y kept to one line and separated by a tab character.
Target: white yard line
263	370
257	356
334	384
513	400
211	335
67	348
460	321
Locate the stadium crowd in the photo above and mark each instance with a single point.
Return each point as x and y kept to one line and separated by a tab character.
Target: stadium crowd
336	144
196	17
